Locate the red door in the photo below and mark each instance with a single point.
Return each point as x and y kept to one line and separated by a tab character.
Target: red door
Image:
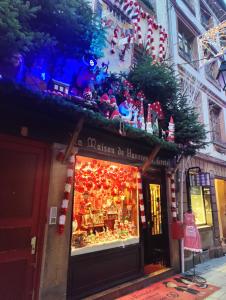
24	168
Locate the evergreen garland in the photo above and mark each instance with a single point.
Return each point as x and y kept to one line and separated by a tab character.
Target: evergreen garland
64	109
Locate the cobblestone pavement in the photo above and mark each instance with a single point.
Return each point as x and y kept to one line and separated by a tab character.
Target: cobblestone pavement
214	271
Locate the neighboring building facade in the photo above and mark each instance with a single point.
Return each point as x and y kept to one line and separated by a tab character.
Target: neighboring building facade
185	22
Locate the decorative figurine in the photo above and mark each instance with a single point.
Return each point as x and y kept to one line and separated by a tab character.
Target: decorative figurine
171	130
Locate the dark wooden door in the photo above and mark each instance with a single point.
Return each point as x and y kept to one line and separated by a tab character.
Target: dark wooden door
23	194
156	240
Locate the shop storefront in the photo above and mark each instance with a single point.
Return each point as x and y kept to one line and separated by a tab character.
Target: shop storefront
110	237
109	243
205	193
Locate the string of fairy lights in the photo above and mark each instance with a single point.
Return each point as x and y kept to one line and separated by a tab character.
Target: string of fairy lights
214	37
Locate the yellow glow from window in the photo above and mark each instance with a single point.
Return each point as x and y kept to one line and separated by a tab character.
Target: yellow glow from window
197	204
156	215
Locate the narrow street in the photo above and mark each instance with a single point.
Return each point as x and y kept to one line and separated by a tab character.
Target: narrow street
175	287
214	271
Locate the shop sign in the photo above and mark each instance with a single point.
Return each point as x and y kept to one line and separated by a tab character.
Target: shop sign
200	179
91	144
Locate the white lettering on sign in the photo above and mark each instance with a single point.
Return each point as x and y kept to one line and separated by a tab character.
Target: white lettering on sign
93	145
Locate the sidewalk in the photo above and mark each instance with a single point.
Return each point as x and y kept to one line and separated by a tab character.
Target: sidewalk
214	271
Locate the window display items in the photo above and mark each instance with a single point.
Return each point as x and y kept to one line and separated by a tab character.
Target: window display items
105	210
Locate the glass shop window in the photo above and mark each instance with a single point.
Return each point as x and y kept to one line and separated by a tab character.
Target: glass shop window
201	205
156	214
105	208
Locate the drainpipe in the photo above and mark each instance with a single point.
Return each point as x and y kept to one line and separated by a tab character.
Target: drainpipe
182	215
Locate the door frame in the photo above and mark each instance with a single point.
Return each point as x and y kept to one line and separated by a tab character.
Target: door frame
45	151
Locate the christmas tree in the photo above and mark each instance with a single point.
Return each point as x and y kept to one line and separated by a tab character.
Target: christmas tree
159	82
61	26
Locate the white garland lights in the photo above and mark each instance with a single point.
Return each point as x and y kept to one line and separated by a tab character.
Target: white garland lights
135	12
213	40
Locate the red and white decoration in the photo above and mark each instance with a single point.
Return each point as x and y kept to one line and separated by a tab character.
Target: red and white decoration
156	107
149	127
137	15
162	46
171	131
114	40
173	196
141	201
67	191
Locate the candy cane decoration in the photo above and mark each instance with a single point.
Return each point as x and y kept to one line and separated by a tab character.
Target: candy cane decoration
165	44
134	11
173	196
114	40
161	43
150	38
117	3
67	193
129	9
139	34
141	200
125	5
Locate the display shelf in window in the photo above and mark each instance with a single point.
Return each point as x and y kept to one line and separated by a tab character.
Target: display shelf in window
105	209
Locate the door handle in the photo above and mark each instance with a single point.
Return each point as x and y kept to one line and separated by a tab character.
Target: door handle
33	244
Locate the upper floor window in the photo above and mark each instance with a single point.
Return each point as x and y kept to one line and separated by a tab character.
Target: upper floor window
217	123
206	18
211	68
187	45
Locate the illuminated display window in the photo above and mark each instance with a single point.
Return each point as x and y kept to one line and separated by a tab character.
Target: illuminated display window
105	209
201	205
156	214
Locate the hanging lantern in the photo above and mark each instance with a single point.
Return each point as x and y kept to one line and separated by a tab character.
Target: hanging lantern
221	76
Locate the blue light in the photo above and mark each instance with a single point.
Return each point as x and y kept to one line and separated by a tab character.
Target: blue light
43	76
92	63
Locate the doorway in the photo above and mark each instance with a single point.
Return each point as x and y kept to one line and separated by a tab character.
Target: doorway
220	187
24	169
156	240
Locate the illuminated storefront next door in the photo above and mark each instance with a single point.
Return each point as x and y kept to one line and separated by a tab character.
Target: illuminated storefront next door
201	205
220	187
199	196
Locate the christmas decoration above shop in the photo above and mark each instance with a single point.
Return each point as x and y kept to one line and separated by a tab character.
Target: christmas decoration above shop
138	26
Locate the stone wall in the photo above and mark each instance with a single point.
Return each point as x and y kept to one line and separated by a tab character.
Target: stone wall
56	248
